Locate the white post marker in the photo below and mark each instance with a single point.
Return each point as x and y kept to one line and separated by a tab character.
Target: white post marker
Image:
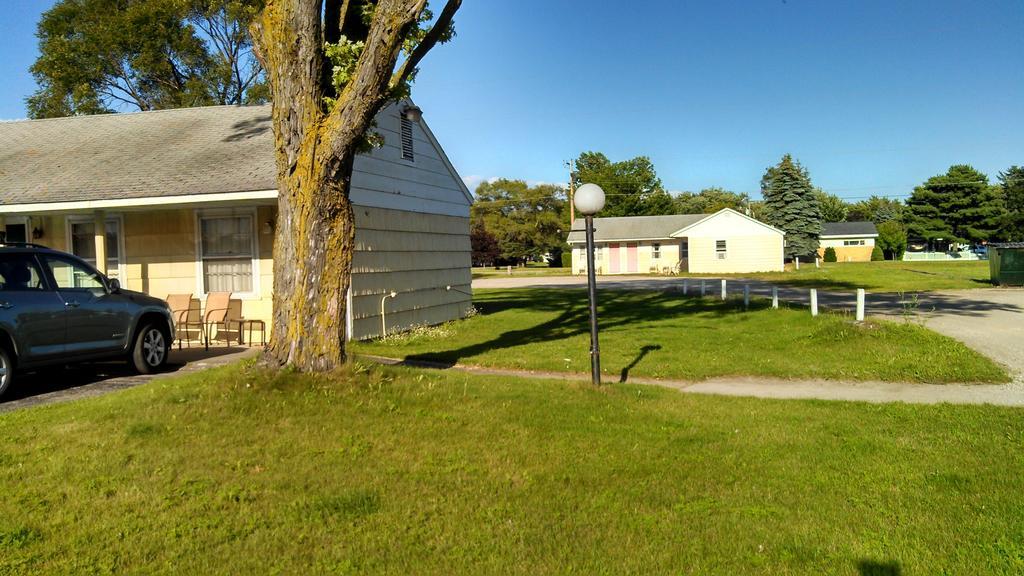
814	302
775	296
746	295
509	268
817	263
860	304
686	286
797	261
723	288
703	288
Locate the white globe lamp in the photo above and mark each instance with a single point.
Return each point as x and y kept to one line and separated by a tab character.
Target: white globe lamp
589	199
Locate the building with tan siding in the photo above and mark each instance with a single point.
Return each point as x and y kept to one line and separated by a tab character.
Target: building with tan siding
852	241
185	202
725	242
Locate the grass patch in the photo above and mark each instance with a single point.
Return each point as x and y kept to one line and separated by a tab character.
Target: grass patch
531	269
666	335
399	471
884	276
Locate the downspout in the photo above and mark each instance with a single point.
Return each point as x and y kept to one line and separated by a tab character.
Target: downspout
383	318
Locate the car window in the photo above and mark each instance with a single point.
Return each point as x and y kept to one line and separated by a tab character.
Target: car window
69	275
19	272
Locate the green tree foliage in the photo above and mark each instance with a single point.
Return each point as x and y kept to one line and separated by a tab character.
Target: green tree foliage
830	254
528	221
790	204
1012	183
958	206
892	239
632	187
710	200
833	208
876	209
101	56
876	254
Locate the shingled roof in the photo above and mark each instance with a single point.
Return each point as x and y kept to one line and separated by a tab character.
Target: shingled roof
134	155
634	227
849	229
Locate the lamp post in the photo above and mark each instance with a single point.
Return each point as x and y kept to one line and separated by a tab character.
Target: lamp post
589	200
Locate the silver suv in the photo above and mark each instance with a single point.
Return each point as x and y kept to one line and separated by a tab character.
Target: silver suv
57	309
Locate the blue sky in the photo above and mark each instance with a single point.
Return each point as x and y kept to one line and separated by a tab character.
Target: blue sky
872	97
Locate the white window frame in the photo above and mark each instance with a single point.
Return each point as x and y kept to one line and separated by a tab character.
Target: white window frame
122	276
15	220
656	251
228	213
723	252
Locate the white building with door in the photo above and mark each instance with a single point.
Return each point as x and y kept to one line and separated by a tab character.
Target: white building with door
726	242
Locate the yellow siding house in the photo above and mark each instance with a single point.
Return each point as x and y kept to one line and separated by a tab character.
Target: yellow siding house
852	241
185	202
721	243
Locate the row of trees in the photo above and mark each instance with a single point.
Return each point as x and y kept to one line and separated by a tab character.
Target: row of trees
517	222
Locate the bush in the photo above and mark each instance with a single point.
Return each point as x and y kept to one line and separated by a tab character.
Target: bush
876	254
567	259
830	254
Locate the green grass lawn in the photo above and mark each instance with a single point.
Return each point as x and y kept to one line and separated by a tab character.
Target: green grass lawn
532	269
390	471
884	276
666	335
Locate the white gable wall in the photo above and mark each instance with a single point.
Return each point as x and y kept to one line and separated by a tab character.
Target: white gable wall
750	245
412	234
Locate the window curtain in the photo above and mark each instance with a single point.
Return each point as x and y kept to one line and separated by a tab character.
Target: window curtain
227	254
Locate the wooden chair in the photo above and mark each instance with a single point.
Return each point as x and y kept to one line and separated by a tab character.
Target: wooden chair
219	315
186	315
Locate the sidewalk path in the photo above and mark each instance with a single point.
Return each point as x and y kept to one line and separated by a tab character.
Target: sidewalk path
989	320
875	392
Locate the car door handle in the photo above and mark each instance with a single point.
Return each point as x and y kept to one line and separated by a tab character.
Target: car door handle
72	304
6	305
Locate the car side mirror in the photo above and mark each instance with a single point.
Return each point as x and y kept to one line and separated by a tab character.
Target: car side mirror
115	286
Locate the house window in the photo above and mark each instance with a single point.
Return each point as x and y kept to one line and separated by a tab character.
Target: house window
655	251
597	252
226	246
406	139
853	242
83	243
720	249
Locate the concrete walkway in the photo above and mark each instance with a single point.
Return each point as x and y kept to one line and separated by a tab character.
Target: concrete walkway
79	381
989	320
875	392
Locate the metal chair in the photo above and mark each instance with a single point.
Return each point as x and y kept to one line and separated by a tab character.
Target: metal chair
187	318
218	314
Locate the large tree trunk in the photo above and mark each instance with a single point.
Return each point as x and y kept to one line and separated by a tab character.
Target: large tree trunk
315	150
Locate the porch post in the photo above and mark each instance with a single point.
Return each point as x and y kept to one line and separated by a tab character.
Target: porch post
100	237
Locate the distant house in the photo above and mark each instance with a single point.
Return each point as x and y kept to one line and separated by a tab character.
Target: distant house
720	243
185	202
852	241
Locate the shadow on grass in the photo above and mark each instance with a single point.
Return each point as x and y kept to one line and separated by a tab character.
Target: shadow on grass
874	568
616	309
624	375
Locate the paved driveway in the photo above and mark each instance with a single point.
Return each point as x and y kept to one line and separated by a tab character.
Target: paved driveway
61	384
990	320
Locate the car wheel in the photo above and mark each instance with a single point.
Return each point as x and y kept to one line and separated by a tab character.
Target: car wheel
150	351
6	371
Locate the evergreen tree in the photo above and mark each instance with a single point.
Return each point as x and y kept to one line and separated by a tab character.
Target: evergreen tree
1012	183
876	209
790	204
958	206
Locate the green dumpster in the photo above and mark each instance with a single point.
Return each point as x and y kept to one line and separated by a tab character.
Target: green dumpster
1006	263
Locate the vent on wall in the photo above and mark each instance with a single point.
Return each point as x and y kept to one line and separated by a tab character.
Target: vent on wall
406	139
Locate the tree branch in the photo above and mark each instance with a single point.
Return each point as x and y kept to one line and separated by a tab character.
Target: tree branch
443	23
